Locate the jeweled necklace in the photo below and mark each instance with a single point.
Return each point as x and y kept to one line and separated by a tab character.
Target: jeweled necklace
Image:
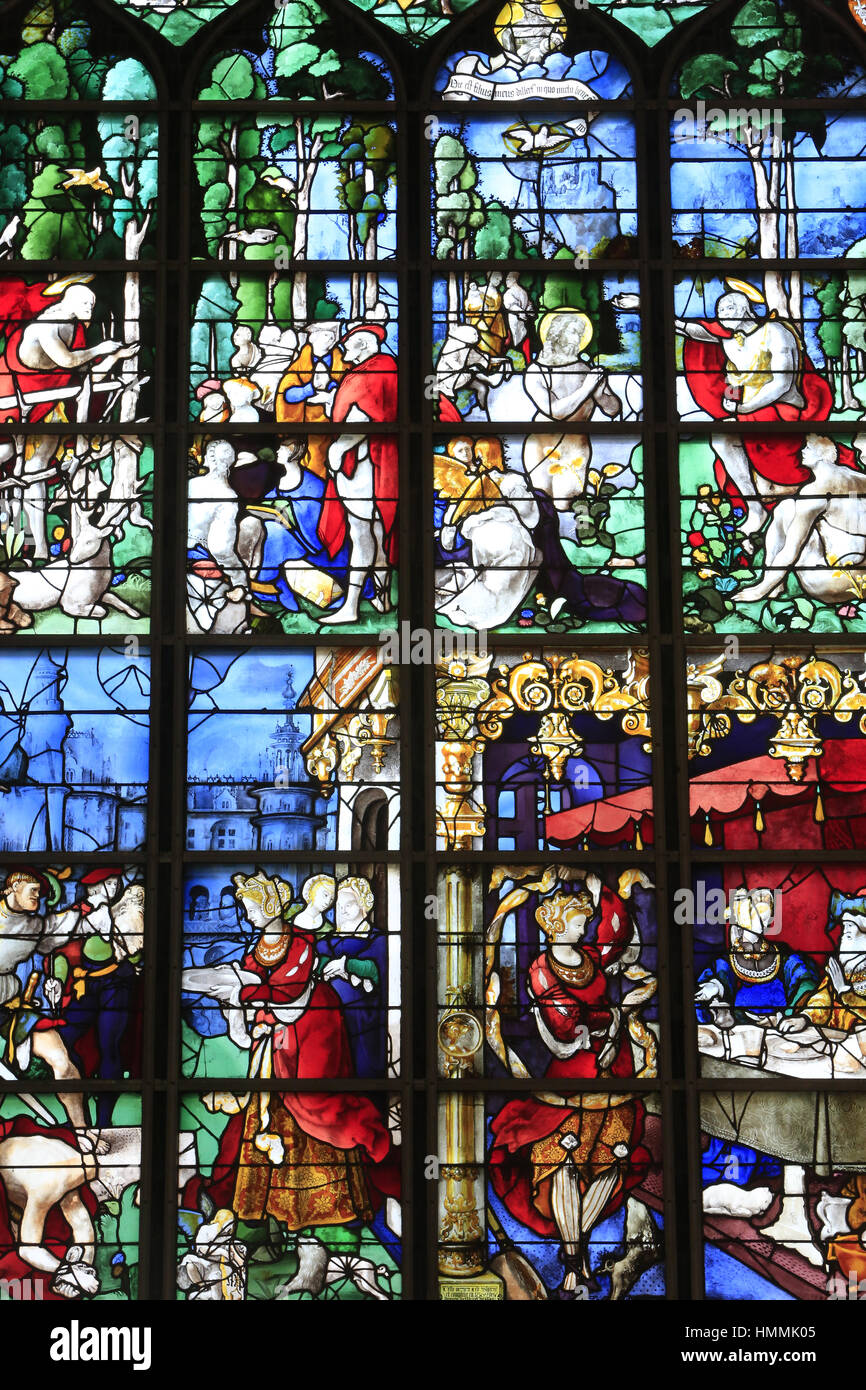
573	974
766	974
270	955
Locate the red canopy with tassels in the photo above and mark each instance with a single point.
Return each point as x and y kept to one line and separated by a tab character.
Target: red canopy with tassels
608	821
738	805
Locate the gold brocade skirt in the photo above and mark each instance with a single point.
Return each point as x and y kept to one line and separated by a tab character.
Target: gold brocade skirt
315	1185
597	1132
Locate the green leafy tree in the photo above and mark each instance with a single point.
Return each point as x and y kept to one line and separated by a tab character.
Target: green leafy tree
14	143
458	211
36	156
87	74
271	175
306	63
270	205
59	221
56	223
228	157
498	238
310	139
367	168
42	71
130	163
853	299
213	323
831	297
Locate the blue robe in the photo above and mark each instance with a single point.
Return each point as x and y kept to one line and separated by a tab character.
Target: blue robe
303	506
363	1011
795	979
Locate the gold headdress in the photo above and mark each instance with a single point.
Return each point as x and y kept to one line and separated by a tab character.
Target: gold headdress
548	914
274	894
362	890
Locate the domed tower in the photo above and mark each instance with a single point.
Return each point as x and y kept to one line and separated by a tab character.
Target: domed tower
284	747
287	817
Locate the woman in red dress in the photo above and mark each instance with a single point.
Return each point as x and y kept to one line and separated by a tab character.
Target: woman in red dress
562	1163
303	1157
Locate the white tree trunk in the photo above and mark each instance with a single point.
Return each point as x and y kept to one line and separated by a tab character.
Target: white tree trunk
307	166
767	204
792	249
371	251
269	300
830	369
453	297
124	476
355	278
232	179
849	400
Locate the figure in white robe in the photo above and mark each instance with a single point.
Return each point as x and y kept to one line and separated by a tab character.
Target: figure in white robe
496	518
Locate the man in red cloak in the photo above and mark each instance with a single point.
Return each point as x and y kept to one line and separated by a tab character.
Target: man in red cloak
362	491
43	362
43	348
741	368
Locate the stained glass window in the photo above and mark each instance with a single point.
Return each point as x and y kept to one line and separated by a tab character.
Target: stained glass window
431	706
540	524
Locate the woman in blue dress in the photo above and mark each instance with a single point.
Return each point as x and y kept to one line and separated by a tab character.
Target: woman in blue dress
357	968
289	514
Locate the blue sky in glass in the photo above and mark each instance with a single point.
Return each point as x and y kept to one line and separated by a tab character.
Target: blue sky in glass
104	682
595	172
91	732
716	176
328	227
227	689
